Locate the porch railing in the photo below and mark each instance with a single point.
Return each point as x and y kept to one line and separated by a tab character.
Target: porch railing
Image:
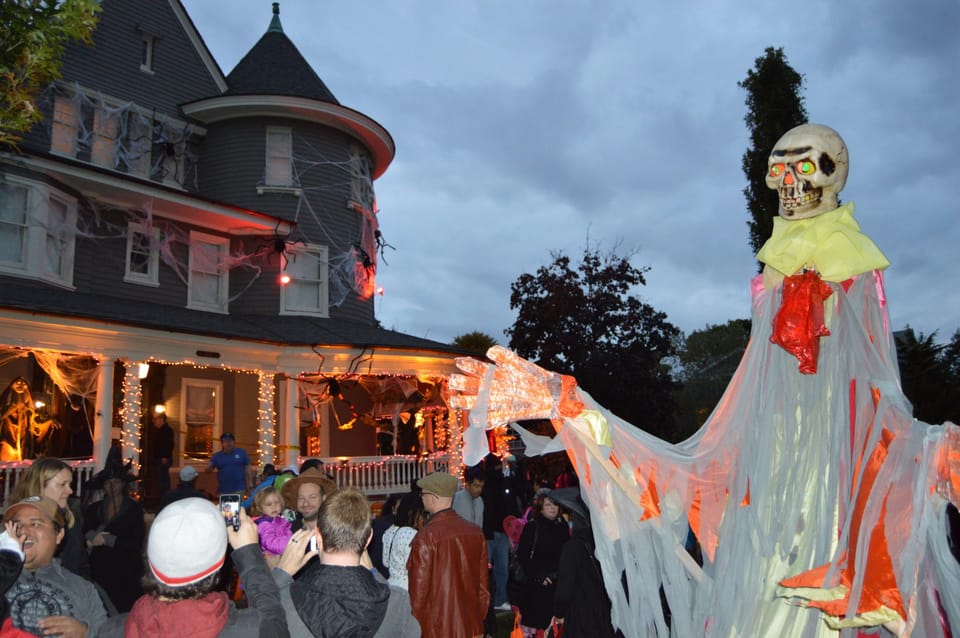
10	472
382	475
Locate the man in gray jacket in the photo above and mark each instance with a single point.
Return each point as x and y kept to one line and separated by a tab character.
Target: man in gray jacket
47	599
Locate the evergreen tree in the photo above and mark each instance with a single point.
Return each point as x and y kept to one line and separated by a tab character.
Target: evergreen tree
475	341
774	106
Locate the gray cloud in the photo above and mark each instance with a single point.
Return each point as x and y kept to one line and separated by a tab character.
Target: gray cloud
525	128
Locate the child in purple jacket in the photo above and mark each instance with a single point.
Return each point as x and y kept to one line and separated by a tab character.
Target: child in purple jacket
274	529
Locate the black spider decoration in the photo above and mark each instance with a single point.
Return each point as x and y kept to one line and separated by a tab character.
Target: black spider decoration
278	247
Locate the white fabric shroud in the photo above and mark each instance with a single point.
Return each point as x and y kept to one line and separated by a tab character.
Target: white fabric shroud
769	485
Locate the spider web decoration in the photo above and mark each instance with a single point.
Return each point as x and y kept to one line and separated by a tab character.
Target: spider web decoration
132	139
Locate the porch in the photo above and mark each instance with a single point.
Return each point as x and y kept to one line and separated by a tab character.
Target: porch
375	476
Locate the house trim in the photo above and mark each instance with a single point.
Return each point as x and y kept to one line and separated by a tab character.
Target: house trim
195	38
125	192
376	138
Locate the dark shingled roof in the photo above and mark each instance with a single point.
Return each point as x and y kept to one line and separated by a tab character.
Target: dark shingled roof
274	66
41	298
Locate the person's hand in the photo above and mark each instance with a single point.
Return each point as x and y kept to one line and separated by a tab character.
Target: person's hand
64	626
246	535
99	540
295	555
13	531
365	560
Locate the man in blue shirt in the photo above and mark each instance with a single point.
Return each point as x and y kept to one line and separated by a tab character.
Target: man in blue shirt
234	474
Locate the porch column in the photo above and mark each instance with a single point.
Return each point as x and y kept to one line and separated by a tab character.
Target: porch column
290	439
103	419
132	414
266	428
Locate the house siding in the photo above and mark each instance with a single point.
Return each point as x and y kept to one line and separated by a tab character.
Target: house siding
178	76
322	218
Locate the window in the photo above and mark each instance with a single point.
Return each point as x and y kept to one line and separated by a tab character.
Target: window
308	290
133	153
146	54
14	202
143	255
279	169
208	284
103	147
202	416
63	136
37	231
82	130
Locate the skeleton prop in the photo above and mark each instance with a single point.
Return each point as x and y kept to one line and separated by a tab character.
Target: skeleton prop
818	501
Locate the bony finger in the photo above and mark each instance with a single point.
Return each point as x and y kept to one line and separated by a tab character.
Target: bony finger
472	366
462	401
463	383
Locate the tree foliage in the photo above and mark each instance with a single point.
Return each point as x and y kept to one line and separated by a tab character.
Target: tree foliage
774	106
708	359
33	35
582	320
929	375
475	341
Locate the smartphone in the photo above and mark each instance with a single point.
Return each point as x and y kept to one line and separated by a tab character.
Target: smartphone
312	545
230	508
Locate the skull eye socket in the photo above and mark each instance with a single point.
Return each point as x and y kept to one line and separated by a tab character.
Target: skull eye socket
776	170
806	167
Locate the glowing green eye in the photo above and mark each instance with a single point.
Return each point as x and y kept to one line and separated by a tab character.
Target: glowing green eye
806	168
776	170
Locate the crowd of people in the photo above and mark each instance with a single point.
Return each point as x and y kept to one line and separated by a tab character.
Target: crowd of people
306	558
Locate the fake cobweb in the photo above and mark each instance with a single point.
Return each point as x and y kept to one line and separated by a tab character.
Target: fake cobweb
131	139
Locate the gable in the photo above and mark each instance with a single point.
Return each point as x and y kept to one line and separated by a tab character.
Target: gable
182	69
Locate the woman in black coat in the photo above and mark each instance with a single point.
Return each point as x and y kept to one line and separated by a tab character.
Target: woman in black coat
581	603
115	530
539	550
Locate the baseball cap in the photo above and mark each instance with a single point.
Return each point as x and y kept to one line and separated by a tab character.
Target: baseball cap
188	473
440	483
227	435
46	506
187	542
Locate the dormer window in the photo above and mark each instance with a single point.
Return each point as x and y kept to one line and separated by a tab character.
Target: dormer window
146	53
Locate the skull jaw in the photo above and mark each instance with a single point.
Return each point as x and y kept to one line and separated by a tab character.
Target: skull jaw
796	204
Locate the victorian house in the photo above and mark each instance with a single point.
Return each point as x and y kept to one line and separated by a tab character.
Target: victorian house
175	239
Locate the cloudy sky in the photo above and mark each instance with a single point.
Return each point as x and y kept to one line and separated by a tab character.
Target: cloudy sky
526	127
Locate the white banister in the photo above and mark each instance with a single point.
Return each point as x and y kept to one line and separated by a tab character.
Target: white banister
382	475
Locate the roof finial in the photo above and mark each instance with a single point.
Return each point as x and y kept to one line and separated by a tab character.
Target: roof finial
275	22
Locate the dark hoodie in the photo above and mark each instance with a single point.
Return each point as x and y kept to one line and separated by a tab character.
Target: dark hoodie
340	602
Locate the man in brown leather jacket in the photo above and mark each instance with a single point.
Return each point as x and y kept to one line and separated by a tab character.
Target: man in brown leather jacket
447	567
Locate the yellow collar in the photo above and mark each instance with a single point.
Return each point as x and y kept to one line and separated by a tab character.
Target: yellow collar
831	244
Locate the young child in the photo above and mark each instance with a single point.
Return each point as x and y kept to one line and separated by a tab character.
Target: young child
274	529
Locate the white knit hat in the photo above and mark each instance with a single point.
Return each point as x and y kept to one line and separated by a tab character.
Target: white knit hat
188	542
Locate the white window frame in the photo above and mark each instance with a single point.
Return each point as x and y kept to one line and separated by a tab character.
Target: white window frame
197	240
152	276
37	235
278	164
147	42
217	388
287	301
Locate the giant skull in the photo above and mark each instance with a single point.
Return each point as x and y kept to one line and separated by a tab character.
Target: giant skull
808	168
